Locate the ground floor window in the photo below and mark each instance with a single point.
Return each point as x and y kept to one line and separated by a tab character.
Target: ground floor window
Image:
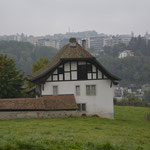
81	107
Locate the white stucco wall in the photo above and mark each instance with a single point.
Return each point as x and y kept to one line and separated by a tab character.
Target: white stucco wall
101	104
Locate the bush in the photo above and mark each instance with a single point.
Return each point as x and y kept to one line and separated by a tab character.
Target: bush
131	101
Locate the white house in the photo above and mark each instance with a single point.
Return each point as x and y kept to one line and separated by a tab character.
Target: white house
125	53
75	71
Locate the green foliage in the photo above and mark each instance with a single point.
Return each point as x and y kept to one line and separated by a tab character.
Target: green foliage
134	70
147	96
11	79
114	50
131	101
25	53
39	64
129	131
43	61
140	46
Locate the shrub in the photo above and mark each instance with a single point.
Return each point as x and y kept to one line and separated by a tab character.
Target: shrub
131	101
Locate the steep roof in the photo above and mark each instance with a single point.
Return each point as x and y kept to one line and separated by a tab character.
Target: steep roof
67	52
60	102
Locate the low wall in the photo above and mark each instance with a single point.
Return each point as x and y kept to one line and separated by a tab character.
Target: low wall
5	115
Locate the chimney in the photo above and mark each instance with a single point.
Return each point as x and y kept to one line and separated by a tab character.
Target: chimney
72	42
84	44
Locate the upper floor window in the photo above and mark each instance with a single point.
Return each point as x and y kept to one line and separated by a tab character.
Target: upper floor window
90	90
89	67
55	90
78	90
60	70
82	73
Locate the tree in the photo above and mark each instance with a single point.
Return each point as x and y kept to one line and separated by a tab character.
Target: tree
43	61
147	96
39	64
11	79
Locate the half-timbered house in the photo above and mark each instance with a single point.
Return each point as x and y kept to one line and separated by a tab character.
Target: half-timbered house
75	71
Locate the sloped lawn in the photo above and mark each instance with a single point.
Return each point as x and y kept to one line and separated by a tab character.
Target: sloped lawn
129	131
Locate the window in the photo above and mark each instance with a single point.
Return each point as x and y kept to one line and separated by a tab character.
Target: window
81	107
93	89
55	90
82	74
60	70
78	90
89	68
90	90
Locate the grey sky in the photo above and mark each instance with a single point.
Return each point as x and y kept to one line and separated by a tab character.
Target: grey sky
40	17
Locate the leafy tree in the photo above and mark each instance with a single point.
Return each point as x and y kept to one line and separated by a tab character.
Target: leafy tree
39	64
24	53
114	50
132	70
43	61
11	79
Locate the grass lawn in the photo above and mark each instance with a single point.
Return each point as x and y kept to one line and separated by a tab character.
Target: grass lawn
129	131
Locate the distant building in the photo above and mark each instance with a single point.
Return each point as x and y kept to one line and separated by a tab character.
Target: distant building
113	40
125	53
118	93
97	43
135	90
48	42
63	42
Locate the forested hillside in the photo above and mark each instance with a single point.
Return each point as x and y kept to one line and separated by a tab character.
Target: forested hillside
130	69
25	53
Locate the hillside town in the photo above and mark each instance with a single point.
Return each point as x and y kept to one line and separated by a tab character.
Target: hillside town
93	39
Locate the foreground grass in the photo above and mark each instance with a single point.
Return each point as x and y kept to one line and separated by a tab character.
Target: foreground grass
129	131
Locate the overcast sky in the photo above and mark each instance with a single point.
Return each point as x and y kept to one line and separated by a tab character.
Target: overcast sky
42	17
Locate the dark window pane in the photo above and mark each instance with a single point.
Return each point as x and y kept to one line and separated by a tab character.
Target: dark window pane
82	74
79	107
89	68
83	107
60	70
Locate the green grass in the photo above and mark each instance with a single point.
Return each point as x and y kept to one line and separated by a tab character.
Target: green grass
129	131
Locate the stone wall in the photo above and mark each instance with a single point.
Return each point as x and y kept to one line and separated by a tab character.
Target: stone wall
5	115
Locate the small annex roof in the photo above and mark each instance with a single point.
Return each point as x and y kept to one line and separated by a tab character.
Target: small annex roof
51	103
71	51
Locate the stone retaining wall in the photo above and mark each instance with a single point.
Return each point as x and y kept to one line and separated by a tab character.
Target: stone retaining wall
5	115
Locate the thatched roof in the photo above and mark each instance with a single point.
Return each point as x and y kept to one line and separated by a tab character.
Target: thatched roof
60	102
